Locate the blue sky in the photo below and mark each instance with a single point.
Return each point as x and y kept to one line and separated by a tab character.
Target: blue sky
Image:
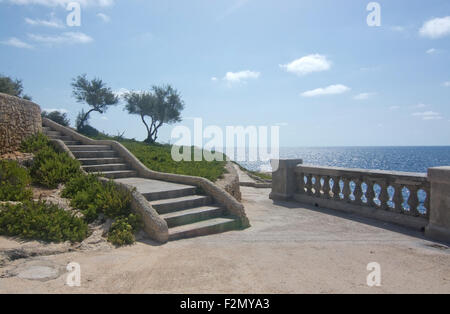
313	67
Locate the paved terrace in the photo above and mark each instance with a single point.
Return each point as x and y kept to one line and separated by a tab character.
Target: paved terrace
288	249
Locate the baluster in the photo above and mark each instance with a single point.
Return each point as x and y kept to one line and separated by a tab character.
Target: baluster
346	190
336	189
326	187
413	200
309	184
426	203
384	195
398	197
317	187
358	192
301	183
370	194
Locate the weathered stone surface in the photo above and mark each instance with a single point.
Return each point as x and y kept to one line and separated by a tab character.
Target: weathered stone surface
19	119
230	182
439	227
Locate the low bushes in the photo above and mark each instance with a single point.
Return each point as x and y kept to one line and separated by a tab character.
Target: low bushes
14	182
35	143
87	193
123	229
50	168
41	221
93	197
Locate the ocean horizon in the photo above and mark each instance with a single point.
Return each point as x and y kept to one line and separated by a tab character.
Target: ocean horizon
391	158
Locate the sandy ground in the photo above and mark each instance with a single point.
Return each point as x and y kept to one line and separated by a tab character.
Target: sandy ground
288	249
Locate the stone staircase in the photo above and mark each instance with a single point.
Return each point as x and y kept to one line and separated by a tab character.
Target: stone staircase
187	212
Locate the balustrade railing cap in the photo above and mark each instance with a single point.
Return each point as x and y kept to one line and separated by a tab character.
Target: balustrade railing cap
286	163
322	170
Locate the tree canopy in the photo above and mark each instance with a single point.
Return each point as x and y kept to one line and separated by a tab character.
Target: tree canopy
163	104
12	87
58	117
95	93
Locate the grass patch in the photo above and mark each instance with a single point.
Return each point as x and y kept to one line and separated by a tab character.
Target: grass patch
158	157
261	175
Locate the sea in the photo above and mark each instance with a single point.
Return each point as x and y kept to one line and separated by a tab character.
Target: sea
402	158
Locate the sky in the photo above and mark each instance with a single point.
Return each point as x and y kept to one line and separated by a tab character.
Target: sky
316	69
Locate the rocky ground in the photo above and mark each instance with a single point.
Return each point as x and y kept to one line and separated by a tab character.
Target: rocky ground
288	249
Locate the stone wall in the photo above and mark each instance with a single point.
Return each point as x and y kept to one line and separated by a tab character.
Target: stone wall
19	119
230	182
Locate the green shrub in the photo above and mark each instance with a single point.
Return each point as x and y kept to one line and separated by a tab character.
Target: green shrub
35	143
123	229
79	183
14	181
41	221
93	197
51	168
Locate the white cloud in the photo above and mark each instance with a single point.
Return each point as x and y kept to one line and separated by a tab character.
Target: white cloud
54	23
419	106
15	42
392	108
330	90
105	18
446	84
121	92
398	28
64	38
431	51
237	77
213	78
363	96
62	110
428	115
308	64
54	3
436	28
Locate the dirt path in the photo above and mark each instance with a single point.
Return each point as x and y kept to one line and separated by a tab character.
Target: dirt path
288	249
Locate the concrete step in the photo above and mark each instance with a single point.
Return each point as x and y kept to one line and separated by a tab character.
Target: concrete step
100	161
168	194
192	215
69	143
52	133
211	226
95	154
119	174
62	138
105	167
46	129
180	203
88	148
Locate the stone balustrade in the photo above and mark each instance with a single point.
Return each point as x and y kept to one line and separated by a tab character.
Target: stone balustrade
399	192
416	200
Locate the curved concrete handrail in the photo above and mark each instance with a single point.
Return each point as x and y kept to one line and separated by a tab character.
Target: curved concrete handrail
220	196
154	225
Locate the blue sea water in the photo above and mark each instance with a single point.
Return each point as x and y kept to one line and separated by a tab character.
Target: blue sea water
408	159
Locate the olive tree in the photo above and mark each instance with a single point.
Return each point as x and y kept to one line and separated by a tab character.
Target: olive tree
160	105
95	93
